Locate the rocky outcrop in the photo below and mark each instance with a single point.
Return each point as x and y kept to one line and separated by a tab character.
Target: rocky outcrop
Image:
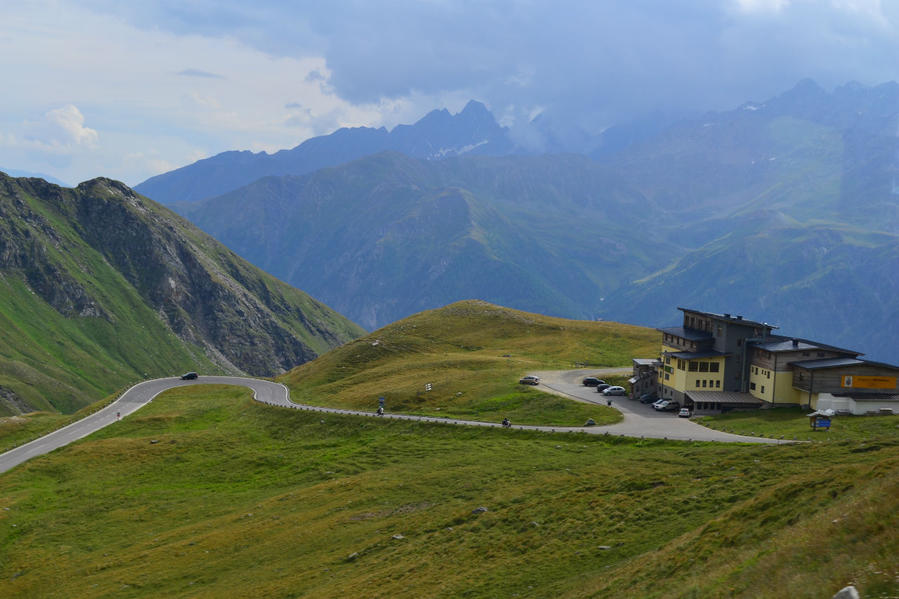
11	403
245	320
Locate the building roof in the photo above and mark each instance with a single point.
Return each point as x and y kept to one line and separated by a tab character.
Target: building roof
696	355
729	318
724	397
827	363
646	361
688	334
780	343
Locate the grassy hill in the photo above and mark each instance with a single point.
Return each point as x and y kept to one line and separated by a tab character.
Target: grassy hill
100	287
204	493
472	354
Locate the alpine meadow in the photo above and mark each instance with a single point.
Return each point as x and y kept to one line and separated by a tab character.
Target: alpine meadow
407	299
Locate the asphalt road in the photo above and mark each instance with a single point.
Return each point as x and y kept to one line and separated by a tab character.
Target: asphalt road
639	420
132	400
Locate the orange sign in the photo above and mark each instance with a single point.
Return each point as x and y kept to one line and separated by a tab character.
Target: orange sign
869	382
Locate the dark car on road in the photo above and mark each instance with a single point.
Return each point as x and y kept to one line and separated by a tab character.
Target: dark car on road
529	380
602	387
592	381
189	376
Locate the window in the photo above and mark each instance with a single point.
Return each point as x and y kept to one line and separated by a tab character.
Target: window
752	386
704	383
820	354
713	366
680	364
666	376
768	374
667	359
739	343
718	384
694	367
805	353
697	382
703	367
763	388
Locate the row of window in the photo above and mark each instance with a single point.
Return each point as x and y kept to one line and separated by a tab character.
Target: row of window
764	373
680	341
693	365
752	387
708	383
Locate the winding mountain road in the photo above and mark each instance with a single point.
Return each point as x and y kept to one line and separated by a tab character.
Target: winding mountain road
639	420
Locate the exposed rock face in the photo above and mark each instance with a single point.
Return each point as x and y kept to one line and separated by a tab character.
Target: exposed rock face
206	295
10	402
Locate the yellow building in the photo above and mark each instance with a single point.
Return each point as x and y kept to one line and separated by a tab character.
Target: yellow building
719	362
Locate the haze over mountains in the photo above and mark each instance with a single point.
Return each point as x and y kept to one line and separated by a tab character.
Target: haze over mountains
784	210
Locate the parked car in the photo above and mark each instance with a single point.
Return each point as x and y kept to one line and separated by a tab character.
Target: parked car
659	402
529	380
668	405
684	413
602	387
648	398
614	390
592	381
189	376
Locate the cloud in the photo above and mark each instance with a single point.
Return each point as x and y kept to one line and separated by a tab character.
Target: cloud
60	131
199	73
586	64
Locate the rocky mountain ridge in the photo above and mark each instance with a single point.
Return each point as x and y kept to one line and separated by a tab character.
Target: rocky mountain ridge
808	173
100	262
438	134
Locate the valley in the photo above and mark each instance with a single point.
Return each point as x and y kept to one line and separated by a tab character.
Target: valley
765	208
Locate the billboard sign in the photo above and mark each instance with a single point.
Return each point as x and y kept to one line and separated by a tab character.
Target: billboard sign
868	382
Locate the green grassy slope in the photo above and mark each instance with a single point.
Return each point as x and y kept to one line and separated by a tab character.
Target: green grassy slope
472	353
205	493
58	363
100	287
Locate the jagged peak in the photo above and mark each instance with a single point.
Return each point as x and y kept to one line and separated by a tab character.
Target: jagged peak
475	107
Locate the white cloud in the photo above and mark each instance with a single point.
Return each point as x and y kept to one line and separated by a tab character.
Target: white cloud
59	131
762	5
165	94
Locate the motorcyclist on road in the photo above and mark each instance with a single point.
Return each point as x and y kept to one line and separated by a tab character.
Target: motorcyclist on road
506	422
380	410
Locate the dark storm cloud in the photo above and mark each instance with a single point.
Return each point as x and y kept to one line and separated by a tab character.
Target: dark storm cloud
589	62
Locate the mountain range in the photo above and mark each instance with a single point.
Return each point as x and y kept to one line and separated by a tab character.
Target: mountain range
438	134
100	286
767	209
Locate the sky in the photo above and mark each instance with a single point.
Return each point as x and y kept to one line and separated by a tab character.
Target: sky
129	90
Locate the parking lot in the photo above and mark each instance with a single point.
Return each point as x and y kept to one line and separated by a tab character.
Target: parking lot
640	420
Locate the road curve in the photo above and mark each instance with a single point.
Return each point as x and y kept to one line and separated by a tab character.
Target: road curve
639	420
133	399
